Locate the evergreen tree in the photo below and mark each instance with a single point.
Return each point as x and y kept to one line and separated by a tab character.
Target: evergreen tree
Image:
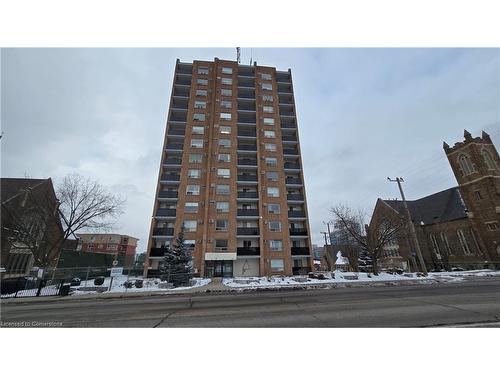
176	266
365	261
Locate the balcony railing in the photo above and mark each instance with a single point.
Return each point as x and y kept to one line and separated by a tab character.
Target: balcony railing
296	214
247	162
181	92
172	161
245	133
248	251
175	132
293	181
295	197
300	251
289	165
246	83
170	177
246	120
174	146
247	212
285	99
163	231
244	177
244	147
246	107
177	118
290	151
248	194
246	94
298	232
289	138
247	231
166	212
168	194
288	125
157	251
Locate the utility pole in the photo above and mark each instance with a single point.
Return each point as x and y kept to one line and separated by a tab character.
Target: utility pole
410	224
324	233
329	233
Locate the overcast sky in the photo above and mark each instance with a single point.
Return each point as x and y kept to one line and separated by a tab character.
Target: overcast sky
363	115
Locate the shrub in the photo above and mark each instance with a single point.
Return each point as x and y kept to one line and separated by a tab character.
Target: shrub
139	283
99	280
128	284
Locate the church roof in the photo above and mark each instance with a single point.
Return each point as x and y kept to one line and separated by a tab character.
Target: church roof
447	205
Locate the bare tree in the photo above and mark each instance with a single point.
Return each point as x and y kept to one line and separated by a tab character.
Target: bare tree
372	238
42	223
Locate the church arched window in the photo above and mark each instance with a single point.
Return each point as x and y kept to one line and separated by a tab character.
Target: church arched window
490	163
465	164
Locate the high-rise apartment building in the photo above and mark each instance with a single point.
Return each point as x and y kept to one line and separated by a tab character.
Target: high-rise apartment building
231	173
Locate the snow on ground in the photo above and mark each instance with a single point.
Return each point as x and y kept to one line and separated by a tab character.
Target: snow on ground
338	277
149	285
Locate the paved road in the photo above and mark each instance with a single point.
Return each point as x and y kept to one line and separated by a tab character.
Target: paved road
475	303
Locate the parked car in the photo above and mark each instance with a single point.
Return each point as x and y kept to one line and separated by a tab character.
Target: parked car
75	281
14	284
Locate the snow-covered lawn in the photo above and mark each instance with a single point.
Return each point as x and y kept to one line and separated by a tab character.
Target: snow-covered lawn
349	277
149	285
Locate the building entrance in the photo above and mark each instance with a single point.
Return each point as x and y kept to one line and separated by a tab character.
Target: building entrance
219	268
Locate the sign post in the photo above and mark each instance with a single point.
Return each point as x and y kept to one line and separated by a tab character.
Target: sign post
115	271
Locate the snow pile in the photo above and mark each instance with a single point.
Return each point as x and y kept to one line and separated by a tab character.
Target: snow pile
341	260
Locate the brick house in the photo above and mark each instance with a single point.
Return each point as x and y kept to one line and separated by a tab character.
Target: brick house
457	227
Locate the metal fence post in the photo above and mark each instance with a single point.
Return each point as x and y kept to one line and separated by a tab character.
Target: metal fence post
87	276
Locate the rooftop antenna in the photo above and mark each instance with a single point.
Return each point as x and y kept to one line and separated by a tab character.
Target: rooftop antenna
238	55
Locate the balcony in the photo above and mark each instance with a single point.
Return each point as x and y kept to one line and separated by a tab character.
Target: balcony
246	147
163	231
284	88
172	161
246	133
295	197
246	94
174	147
287	112
290	151
247	231
247	212
289	165
246	71
285	99
287	125
165	212
246	106
184	68
181	92
248	251
246	177
177	117
298	232
283	77
157	252
247	82
170	177
288	138
246	120
249	162
175	133
300	251
168	194
183	80
293	181
300	214
179	104
248	194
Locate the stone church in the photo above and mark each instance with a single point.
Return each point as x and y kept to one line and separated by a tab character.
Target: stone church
458	227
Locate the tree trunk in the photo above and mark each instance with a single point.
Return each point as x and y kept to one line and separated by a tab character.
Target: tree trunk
375	266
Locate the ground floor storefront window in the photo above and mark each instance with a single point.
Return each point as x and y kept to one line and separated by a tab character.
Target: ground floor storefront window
219	268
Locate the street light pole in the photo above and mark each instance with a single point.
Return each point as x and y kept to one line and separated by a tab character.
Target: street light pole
410	224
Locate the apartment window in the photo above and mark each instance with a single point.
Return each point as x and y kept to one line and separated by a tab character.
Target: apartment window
268	121
225	129
194	173
201	92
270	146
223	173
267	98
273	208
191	207
190	244
276	245
226	81
200	104
190	225
221	244
269	134
275	226
226	104
277	265
197	143
272	176
227	70
435	246
203	70
201	81
267	86
222	206
222	189
195	158
193	190
224	158
271	162
222	225
266	76
226	92
463	242
225	116
199	117
200	130
268	109
273	192
225	142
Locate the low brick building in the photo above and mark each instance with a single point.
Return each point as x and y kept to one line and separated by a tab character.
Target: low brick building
122	246
457	227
